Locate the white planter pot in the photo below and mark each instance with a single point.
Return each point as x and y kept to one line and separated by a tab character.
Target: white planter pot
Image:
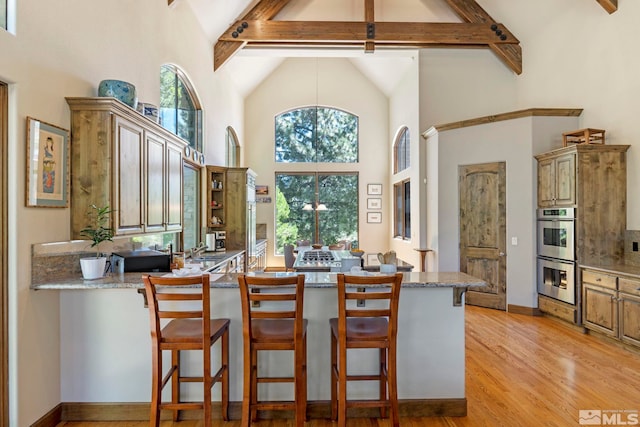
93	268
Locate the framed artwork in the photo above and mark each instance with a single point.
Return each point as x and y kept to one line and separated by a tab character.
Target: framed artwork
374	203
374	217
374	189
262	190
47	165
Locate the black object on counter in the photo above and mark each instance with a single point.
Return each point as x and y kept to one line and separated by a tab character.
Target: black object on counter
140	261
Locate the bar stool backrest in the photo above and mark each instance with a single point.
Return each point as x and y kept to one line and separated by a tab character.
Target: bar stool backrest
164	295
384	289
284	298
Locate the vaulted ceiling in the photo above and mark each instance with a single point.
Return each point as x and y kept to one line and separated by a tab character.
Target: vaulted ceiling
263	26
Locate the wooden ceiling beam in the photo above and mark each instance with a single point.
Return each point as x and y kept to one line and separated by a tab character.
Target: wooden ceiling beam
369	18
471	11
395	33
263	10
609	5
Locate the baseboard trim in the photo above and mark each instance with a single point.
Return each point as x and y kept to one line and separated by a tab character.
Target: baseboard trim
520	309
51	418
70	411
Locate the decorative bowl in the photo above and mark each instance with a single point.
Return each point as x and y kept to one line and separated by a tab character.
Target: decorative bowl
316	246
357	253
122	91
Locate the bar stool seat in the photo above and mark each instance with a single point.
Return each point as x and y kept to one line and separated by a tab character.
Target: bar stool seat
184	304
366	327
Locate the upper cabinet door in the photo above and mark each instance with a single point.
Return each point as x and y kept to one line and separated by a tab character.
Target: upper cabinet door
174	187
155	182
557	181
128	198
565	177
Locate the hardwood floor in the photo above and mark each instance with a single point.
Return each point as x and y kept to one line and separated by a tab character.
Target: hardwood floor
521	371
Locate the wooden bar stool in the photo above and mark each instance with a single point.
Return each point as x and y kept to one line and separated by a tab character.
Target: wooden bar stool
365	328
273	329
185	303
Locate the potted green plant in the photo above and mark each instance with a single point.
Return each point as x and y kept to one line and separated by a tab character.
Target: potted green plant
97	232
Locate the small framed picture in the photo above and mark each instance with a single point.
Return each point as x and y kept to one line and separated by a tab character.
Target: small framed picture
374	189
374	217
262	190
47	165
374	203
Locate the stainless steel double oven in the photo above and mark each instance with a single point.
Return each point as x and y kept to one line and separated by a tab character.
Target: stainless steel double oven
557	254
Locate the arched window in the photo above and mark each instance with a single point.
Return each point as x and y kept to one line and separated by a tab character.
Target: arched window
316	134
233	148
180	109
402	151
310	204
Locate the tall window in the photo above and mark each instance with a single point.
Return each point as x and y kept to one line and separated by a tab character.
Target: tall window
402	151
180	110
313	205
316	134
402	206
316	206
233	148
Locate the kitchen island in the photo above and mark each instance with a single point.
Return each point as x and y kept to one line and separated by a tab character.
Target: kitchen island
104	334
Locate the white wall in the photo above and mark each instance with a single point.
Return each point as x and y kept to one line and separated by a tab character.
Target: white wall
514	142
65	49
340	85
404	111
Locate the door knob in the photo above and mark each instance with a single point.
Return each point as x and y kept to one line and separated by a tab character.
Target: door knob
501	254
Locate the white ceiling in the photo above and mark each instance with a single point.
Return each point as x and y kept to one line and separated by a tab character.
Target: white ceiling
384	68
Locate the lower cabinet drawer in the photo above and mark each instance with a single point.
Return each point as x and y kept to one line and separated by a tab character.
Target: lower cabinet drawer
629	286
600	279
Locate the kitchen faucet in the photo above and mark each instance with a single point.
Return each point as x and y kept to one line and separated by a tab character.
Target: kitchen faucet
198	249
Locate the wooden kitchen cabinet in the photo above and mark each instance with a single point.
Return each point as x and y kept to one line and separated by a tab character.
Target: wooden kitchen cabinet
629	307
123	159
216	178
611	305
557	181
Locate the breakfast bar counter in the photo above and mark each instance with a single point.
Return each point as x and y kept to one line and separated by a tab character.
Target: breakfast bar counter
106	346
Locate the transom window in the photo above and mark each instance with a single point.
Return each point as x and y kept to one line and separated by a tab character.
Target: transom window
180	110
316	134
402	151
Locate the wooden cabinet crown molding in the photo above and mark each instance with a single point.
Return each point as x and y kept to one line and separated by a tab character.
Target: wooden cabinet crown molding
114	106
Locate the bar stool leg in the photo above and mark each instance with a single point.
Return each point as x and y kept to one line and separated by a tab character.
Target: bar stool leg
224	347
393	386
342	389
154	416
175	381
254	384
334	379
207	382
246	388
383	381
300	385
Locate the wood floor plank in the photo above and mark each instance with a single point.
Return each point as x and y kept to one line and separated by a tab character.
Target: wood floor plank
521	371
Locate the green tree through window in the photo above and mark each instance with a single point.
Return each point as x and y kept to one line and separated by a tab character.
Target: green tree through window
316	134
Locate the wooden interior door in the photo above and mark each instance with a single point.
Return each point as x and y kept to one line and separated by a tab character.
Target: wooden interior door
481	190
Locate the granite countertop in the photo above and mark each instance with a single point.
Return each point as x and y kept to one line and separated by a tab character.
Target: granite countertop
625	269
220	280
